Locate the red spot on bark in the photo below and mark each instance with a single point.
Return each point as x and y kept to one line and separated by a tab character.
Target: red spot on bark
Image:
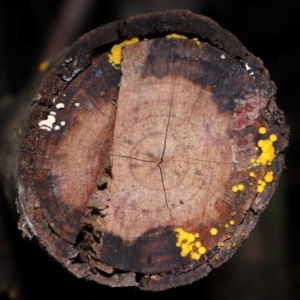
238	111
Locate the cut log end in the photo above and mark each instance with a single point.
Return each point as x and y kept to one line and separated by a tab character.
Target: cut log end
158	166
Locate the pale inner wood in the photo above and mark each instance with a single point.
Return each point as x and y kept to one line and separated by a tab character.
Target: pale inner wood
171	158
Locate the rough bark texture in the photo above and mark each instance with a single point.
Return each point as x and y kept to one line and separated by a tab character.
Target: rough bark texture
140	150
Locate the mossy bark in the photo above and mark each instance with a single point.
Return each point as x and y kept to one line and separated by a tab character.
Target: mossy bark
133	152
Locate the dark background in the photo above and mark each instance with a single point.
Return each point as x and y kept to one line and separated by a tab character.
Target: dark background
267	266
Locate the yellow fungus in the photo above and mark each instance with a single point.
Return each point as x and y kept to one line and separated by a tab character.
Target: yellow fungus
243	234
213	231
269	176
260	189
202	250
197	244
175	36
273	137
262	130
188	244
196	256
252	174
234	189
226	225
44	65
115	57
197	41
190	238
231	222
240	187
183	246
183	254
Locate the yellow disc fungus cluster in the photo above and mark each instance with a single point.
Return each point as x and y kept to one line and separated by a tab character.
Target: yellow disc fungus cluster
115	57
189	244
265	158
261	184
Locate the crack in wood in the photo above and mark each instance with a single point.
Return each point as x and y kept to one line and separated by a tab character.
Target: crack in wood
163	153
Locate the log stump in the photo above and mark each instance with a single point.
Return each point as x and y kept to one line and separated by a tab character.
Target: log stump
149	151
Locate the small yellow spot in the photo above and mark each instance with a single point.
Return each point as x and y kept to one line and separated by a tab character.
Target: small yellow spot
273	138
226	225
231	222
252	174
197	244
195	256
202	250
190	238
243	234
240	187
260	189
262	130
44	65
197	41
213	231
234	189
269	176
183	254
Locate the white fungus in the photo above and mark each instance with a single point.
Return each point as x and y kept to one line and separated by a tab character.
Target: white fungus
77	104
59	105
46	128
52	113
247	67
223	56
48	123
62	123
56	127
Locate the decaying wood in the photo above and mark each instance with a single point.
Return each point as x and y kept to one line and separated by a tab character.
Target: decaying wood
140	150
